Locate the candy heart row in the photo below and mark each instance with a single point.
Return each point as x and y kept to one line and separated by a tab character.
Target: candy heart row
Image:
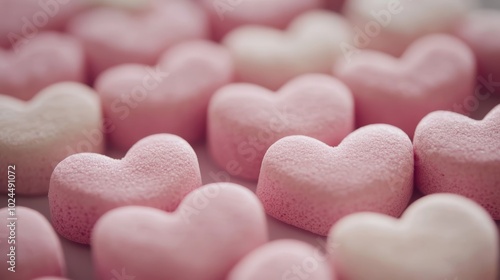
262	55
444	234
303	181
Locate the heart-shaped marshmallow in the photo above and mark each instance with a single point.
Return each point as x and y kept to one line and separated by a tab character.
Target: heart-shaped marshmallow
392	25
22	21
439	237
36	65
30	247
213	228
173	98
136	36
157	172
227	15
61	120
460	155
245	120
283	259
436	73
270	57
310	185
480	31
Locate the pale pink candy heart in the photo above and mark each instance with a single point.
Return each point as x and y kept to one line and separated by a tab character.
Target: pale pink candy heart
244	120
283	259
213	228
392	25
439	237
59	121
226	15
22	21
270	57
172	97
480	31
456	154
38	64
436	73
157	171
37	250
136	36
310	185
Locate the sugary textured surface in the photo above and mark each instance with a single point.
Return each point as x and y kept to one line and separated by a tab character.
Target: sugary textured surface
22	21
213	228
245	119
171	97
310	185
59	121
441	236
38	64
391	26
38	251
270	57
437	72
227	15
157	172
283	259
480	31
112	36
459	155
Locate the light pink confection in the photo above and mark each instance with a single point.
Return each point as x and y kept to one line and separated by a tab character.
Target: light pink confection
244	120
172	97
481	30
283	259
308	184
456	154
227	15
271	57
47	59
22	21
61	120
113	36
157	171
213	228
30	247
439	237
390	26
436	73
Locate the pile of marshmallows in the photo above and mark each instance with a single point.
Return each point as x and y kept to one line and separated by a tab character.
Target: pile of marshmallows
277	89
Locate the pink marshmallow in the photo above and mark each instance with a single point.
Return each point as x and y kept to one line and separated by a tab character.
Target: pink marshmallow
38	64
171	97
226	15
38	251
59	121
308	184
480	30
455	154
391	26
157	171
22	21
283	259
214	227
437	72
113	36
244	120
